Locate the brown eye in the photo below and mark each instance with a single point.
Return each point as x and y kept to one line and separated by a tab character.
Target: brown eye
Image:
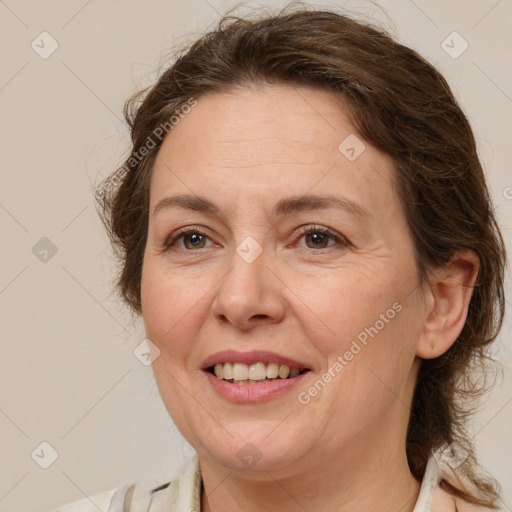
192	239
317	237
318	240
196	240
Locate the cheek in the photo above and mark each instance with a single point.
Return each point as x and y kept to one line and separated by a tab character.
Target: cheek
154	301
341	308
164	302
173	309
368	322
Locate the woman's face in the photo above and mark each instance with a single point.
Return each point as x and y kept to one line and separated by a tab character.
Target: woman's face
298	252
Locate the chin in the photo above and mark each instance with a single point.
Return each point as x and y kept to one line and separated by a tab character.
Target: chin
256	454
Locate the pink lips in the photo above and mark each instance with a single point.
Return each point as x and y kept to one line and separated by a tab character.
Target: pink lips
254	356
251	393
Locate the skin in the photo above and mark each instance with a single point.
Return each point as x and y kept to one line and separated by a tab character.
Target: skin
304	297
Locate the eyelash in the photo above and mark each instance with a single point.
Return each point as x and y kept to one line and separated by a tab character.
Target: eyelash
340	240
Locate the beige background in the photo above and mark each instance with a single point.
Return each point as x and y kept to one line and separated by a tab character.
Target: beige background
68	375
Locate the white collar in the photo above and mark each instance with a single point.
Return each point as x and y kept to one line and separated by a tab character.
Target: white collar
428	486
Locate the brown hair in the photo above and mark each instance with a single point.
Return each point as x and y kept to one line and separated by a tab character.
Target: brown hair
401	105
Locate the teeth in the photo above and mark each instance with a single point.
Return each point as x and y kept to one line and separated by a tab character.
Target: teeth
218	369
272	370
257	371
284	371
228	371
240	373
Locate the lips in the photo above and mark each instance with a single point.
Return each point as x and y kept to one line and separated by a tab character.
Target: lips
252	391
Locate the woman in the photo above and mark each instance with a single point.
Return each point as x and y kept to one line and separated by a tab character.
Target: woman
306	231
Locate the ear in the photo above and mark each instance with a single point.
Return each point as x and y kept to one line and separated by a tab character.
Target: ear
447	300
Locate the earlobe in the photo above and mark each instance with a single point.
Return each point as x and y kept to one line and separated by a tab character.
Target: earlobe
448	298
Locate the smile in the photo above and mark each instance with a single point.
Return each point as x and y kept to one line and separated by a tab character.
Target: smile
256	373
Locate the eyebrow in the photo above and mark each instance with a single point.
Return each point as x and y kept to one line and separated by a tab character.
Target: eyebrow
284	206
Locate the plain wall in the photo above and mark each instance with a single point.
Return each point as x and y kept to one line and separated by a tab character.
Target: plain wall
68	375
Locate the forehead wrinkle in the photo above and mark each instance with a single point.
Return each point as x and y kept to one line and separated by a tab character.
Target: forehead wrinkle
259	152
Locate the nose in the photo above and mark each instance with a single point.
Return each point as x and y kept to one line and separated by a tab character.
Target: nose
249	294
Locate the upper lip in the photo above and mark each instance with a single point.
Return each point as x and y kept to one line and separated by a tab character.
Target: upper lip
254	356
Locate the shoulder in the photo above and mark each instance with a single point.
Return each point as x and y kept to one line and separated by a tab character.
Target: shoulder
175	495
443	501
438	474
140	497
101	501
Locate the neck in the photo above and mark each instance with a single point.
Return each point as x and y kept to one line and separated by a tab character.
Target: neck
367	476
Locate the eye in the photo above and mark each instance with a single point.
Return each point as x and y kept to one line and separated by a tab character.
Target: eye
318	237
192	239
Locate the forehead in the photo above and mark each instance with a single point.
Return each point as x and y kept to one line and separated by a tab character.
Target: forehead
259	123
258	143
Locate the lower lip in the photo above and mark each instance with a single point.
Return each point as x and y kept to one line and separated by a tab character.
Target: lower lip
251	393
